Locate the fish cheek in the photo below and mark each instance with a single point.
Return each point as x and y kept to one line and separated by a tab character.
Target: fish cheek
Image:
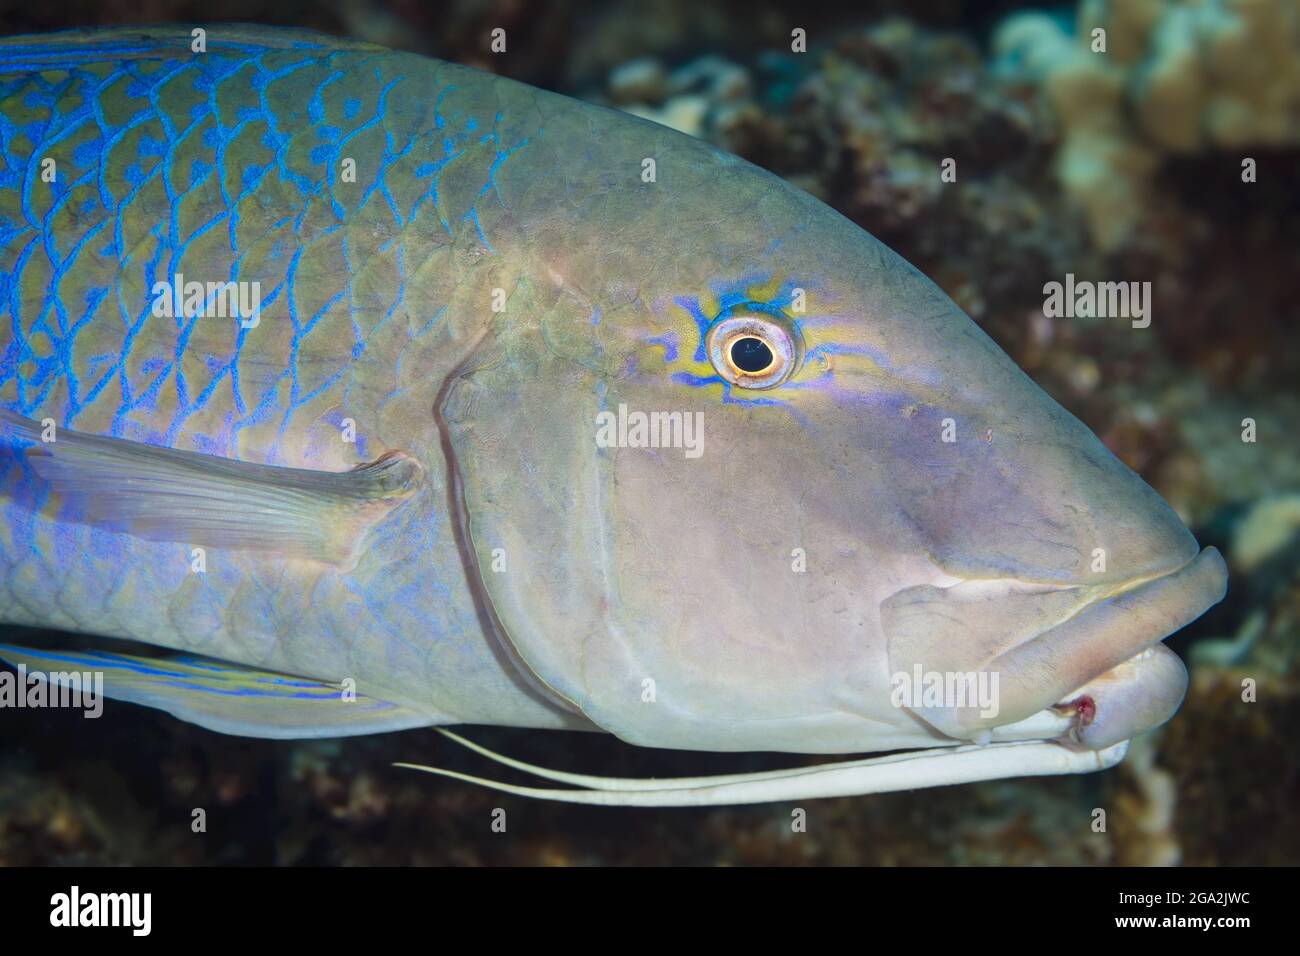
739	638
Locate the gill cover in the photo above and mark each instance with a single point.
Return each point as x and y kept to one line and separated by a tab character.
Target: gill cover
519	421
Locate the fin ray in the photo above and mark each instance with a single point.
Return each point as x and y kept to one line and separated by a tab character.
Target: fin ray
166	494
227	698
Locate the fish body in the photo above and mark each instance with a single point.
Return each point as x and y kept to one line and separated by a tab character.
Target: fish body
547	417
229	166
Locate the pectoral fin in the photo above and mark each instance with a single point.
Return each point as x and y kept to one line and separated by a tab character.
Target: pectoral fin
164	494
227	698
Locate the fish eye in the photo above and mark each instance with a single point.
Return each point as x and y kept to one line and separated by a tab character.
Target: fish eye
752	350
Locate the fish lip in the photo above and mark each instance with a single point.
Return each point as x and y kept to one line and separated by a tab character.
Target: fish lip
1137	696
1201	582
1185	593
1206	556
1116	625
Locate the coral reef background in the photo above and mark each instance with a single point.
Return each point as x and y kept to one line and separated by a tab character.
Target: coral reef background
1118	165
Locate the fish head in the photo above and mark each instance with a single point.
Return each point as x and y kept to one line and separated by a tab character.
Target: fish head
744	479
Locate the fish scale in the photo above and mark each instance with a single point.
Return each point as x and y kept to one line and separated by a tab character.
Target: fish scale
226	165
200	176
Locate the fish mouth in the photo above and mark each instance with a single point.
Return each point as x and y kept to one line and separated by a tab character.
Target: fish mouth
1094	676
1142	689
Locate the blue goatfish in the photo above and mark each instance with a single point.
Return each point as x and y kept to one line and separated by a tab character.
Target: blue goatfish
385	393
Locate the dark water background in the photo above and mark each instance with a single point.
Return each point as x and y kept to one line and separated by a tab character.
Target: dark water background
885	91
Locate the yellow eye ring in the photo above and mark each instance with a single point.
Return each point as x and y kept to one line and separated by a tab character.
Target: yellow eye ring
753	350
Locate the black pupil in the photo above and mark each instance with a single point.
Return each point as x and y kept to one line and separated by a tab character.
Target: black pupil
750	354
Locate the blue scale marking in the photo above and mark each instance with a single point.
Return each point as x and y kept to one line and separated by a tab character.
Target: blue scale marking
160	142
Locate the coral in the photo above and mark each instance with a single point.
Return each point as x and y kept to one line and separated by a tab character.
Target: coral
1146	813
699	99
1167	78
1270	525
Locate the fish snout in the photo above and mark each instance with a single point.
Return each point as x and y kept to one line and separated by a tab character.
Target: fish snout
1123	528
1042	501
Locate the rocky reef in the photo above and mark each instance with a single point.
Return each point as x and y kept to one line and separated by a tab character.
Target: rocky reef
1138	82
